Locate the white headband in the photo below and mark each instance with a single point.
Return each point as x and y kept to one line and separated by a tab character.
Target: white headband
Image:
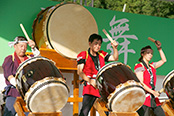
15	42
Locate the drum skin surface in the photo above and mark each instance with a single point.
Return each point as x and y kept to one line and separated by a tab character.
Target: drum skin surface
41	85
47	95
65	28
120	88
168	85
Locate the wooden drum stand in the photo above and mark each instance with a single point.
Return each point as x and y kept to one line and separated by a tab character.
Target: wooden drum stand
167	107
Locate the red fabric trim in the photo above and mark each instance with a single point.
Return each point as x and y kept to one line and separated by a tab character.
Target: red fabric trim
17	58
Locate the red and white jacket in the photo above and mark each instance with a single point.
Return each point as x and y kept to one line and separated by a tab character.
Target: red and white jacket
146	80
90	70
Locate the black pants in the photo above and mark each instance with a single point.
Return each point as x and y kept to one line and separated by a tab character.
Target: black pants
149	111
88	101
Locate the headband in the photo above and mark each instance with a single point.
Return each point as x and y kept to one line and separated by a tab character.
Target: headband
16	41
145	50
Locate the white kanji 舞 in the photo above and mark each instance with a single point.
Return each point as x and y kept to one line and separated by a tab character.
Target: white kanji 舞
118	28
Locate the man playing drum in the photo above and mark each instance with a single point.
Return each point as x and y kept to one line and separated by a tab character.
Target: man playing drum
146	73
88	64
10	66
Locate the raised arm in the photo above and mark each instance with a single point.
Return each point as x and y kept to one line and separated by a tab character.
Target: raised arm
114	56
162	55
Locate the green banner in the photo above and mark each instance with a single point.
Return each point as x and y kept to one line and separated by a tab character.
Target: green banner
130	30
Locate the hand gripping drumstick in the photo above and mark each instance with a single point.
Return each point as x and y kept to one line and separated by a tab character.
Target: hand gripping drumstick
162	90
109	37
25	33
154	41
34	50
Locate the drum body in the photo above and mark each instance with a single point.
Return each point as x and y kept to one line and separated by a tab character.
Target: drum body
168	85
41	85
65	28
120	88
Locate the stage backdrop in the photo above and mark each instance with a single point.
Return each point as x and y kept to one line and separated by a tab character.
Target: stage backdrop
130	30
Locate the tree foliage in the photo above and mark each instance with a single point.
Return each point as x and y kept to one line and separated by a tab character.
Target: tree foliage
159	8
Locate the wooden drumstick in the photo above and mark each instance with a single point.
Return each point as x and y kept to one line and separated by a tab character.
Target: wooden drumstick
154	41
162	90
25	33
27	37
108	36
151	39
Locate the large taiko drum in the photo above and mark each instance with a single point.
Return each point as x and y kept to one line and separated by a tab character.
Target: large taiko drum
41	85
120	88
65	28
168	85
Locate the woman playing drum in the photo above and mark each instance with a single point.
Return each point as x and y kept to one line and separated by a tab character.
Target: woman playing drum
146	73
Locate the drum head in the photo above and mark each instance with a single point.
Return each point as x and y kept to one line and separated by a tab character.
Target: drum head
129	99
47	95
68	28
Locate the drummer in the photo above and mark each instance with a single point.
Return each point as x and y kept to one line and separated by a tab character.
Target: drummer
146	73
88	64
10	66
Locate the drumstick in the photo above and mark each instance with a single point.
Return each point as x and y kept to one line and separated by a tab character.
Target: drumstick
108	36
25	33
162	90
151	39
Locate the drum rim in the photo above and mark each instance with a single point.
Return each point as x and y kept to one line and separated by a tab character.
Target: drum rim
167	78
106	67
35	22
40	86
30	59
121	90
47	24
